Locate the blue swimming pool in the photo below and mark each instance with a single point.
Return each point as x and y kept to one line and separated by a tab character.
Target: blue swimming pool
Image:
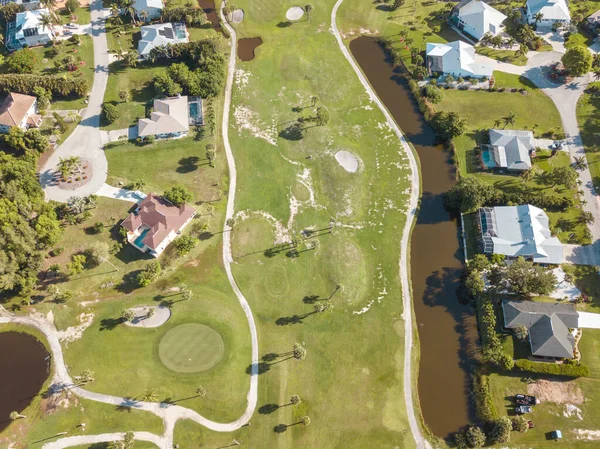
138	241
487	159
194	109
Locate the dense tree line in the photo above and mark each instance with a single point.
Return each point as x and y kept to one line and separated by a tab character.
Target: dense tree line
199	69
58	86
28	225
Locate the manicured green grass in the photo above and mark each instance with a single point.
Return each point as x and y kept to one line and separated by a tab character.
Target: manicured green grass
508	56
588	117
471	231
589	345
190	348
587	280
83	15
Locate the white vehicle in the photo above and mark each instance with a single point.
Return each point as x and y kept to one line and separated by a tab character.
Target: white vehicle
72	26
140	195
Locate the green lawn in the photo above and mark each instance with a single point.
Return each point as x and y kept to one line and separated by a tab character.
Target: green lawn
83	15
509	56
588	117
471	232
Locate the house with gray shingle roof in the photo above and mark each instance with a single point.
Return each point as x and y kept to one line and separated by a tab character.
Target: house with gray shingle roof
548	326
169	119
508	149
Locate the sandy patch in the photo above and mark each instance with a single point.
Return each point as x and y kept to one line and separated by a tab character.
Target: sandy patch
237	16
247	119
347	160
294	13
161	316
558	392
590	435
76	332
572	410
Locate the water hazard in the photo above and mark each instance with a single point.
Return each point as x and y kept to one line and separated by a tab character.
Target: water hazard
447	329
208	6
246	47
24	367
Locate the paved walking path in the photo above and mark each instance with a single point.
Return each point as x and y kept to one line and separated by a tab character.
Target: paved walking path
415	430
85	141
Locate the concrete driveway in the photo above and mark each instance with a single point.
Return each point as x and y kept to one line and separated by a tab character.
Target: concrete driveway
117	193
85	141
581	255
588	320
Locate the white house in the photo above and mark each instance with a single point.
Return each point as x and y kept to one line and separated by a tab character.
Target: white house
156	223
19	110
476	18
27	31
508	149
153	8
551	11
519	231
28	4
457	59
160	35
169	119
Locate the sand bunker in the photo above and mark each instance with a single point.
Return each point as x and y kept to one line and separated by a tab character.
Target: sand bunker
161	316
237	16
294	13
347	160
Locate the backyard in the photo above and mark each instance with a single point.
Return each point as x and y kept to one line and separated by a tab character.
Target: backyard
588	117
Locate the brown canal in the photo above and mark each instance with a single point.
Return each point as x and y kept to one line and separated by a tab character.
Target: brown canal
447	329
24	367
208	6
246	47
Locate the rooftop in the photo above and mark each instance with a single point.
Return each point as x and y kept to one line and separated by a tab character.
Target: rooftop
161	34
479	15
170	116
14	107
510	148
550	9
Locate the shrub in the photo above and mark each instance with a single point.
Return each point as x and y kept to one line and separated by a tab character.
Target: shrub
98	227
149	274
185	244
56	84
110	112
500	430
482	397
555	369
432	93
475	436
97	253
61	298
178	195
519	424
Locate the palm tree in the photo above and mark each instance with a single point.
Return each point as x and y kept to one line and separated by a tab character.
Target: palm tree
149	395
509	119
143	15
201	391
522	51
131	58
528	175
521	332
51	5
586	217
597	74
299	352
16	415
305	421
138	185
497	123
46	21
309	9
295	400
579	163
538	17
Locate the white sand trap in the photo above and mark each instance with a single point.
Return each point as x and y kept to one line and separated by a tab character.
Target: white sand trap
294	13
237	16
161	316
347	160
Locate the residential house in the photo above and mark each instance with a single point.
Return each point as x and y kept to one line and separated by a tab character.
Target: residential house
457	59
476	18
551	11
156	223
19	110
593	20
27	31
169	119
153	9
28	4
508	149
161	35
548	326
519	231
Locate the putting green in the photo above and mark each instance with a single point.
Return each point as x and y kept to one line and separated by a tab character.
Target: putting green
190	348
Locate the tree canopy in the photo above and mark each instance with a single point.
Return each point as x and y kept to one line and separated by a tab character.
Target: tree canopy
178	195
577	60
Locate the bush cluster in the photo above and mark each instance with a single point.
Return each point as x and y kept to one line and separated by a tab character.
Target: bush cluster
566	369
57	85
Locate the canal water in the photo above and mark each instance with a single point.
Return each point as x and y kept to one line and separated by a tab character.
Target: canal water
246	47
447	329
208	6
24	368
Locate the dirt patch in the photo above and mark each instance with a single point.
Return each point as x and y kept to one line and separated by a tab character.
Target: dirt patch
75	332
58	401
555	391
590	435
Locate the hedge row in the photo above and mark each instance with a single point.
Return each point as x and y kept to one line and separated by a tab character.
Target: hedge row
482	397
59	86
565	369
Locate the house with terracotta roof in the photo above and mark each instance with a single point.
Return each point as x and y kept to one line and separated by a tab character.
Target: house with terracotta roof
156	223
169	119
19	110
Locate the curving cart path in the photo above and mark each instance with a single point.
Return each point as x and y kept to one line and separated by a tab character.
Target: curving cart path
420	441
170	414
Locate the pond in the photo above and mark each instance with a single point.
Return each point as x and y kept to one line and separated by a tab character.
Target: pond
246	47
447	328
24	367
208	6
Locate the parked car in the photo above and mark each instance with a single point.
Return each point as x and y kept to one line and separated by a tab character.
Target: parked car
525	399
72	26
67	33
140	195
522	409
556	146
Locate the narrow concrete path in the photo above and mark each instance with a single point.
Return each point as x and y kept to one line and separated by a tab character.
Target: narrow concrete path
85	141
411	212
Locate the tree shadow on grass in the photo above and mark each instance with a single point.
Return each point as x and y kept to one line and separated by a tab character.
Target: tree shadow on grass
285	24
129	283
108	324
262	368
293	132
187	164
267	409
280	428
